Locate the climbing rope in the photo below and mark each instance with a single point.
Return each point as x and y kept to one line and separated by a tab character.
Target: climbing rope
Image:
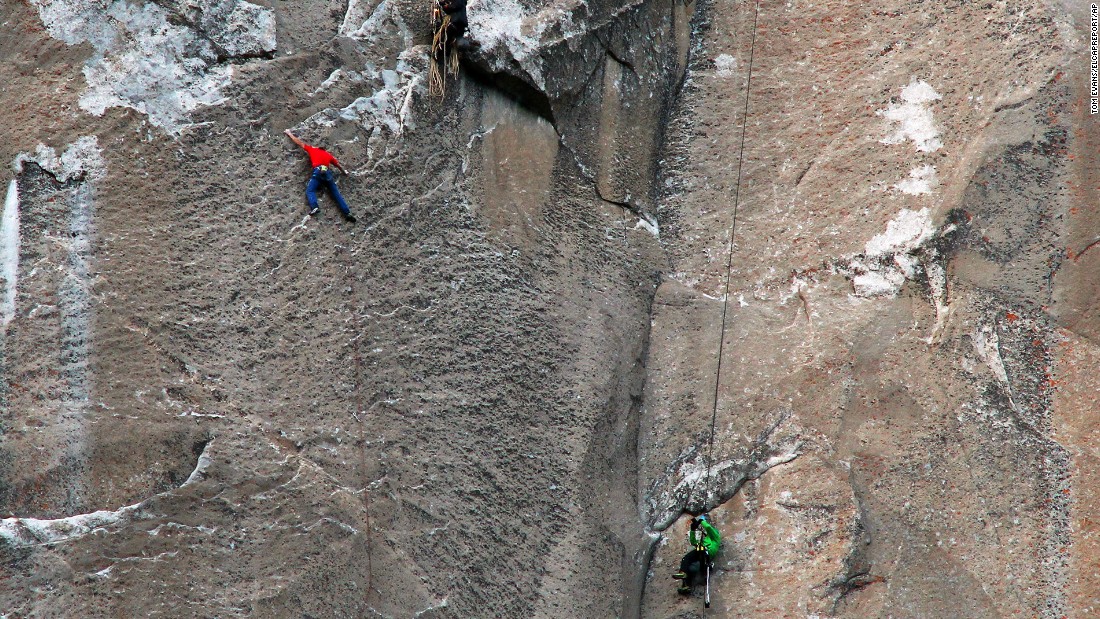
444	56
729	264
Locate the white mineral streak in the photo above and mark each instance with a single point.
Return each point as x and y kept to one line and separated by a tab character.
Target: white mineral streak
921	180
905	233
356	16
9	253
389	107
725	65
988	347
887	260
362	24
649	224
83	159
937	282
691	473
201	465
505	24
875	282
441	604
21	532
145	62
912	119
334	78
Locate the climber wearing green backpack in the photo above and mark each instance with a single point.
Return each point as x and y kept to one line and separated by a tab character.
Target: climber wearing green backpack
705	541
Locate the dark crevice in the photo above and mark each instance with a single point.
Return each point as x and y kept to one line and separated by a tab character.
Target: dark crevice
857	564
1077	255
627	206
644	562
1012	106
802	174
199	446
611	52
596	68
854	583
222	56
33	169
514	88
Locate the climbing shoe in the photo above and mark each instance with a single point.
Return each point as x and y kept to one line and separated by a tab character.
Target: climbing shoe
314	211
679	575
351	218
684	590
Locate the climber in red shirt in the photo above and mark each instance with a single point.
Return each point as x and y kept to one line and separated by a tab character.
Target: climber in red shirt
322	162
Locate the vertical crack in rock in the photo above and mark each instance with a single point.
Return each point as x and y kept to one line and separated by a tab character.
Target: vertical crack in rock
858	569
603	76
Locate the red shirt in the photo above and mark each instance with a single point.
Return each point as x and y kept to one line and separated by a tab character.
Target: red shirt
320	156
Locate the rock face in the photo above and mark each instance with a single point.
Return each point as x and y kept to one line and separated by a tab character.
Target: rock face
823	270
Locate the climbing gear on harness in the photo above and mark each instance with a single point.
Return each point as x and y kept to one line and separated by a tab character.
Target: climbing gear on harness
706	597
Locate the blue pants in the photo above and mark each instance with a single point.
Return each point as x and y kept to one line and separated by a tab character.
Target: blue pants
318	177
